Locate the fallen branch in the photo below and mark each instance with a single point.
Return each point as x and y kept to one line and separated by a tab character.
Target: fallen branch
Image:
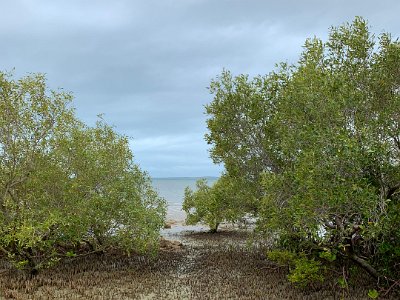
365	265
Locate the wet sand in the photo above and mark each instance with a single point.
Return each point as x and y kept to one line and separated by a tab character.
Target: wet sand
200	266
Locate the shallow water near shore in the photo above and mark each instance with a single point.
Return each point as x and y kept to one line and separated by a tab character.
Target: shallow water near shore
173	190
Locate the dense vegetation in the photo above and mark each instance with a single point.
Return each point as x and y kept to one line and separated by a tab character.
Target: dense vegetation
219	203
317	144
65	186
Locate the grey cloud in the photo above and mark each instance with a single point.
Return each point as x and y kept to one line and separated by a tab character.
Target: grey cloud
146	64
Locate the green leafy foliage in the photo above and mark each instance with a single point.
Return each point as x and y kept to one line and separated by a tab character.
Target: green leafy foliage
373	294
328	255
303	271
342	282
240	128
70	254
282	257
63	184
319	144
224	201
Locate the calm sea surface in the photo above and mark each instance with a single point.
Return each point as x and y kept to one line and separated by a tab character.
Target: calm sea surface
173	190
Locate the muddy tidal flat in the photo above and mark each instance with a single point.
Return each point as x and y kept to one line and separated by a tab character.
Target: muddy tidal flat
197	265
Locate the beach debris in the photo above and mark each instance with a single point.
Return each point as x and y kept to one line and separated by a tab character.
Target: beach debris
170	245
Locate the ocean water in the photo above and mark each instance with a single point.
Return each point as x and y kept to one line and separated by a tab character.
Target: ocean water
173	190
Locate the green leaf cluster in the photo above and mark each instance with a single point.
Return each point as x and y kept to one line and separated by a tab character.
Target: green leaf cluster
64	184
319	143
224	201
303	271
373	294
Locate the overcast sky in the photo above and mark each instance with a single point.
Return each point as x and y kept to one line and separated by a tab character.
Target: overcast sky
146	64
